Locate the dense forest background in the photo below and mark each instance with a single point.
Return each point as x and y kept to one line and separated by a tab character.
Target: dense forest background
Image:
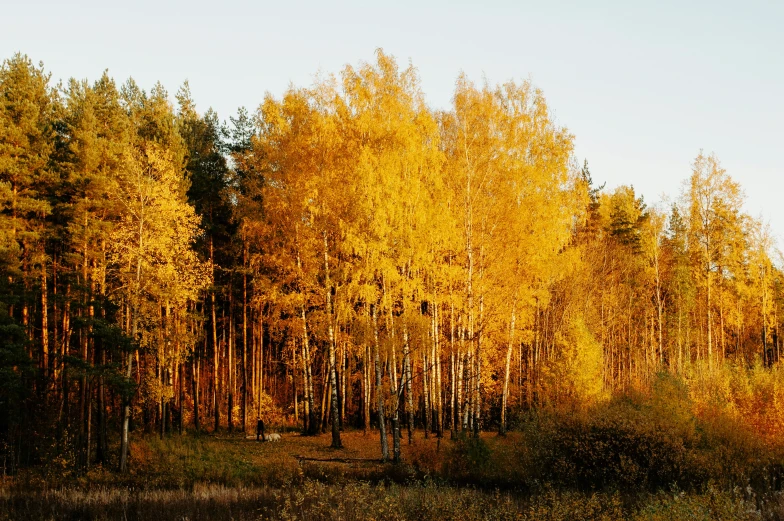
347	257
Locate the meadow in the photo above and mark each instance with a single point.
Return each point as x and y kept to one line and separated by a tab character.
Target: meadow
635	457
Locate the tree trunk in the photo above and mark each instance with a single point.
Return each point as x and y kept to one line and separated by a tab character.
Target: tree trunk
294	384
437	374
333	380
196	379
215	365
326	397
478	375
181	399
505	394
126	415
379	391
366	387
260	348
44	327
230	366
708	304
55	322
245	338
452	369
407	376
426	394
343	381
312	425
103	443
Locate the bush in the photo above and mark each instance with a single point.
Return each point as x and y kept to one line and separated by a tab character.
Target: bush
712	505
467	459
618	447
649	442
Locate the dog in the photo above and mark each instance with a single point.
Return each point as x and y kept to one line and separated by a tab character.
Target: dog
272	437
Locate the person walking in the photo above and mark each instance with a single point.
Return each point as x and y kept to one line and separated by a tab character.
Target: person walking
259	428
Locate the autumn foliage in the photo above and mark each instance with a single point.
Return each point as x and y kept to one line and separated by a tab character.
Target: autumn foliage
348	256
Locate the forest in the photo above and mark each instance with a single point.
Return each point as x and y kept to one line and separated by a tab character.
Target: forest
345	259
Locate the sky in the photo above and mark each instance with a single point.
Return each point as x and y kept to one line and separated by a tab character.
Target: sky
643	86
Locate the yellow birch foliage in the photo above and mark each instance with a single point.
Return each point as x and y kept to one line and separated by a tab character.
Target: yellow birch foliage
579	370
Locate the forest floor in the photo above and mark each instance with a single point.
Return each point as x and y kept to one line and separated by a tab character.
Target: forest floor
230	477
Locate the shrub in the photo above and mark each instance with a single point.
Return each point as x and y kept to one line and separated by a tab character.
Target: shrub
618	446
711	505
467	459
649	442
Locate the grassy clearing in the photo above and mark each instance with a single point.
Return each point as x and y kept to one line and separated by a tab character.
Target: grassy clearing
638	459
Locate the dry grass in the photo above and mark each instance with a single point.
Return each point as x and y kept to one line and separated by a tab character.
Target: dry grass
317	501
202	477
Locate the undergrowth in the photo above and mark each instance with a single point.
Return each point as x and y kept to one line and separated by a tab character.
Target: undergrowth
654	456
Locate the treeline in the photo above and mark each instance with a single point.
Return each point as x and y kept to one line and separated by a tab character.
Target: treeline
344	256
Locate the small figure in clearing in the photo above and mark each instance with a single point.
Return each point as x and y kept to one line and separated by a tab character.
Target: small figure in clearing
260	429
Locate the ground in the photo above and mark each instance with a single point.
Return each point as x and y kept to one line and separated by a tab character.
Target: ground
230	477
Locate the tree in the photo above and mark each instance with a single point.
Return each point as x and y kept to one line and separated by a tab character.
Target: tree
27	138
714	201
151	254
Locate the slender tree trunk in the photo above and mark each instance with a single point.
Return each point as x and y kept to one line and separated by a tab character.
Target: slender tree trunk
126	415
311	412
215	365
55	365
453	369
312	426
468	394
83	339
660	309
181	396
426	394
708	304
231	363
44	327
89	426
409	384
333	380
343	379
379	391
196	379
261	358
395	392
102	449
162	405
459	406
66	348
479	338
367	388
531	369
326	397
245	338
103	443
306	398
505	394
429	375
469	225
437	369
215	348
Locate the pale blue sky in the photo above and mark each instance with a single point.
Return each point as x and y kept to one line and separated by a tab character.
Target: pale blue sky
642	85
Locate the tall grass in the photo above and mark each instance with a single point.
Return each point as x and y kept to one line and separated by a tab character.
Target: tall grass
668	453
315	501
